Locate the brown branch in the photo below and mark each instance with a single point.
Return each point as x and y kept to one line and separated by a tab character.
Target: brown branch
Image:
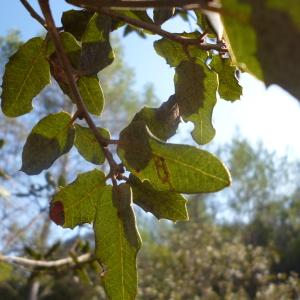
33	13
54	264
144	4
65	64
157	30
100	6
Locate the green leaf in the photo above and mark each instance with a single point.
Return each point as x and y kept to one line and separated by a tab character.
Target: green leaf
160	16
290	7
117	242
195	85
195	91
52	137
5	271
26	74
139	15
264	38
2	142
136	15
163	205
72	48
172	167
162	121
96	49
211	24
75	204
129	29
134	145
229	88
174	52
87	144
73	51
75	22
92	94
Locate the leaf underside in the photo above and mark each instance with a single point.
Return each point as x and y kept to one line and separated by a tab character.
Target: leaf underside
52	137
26	74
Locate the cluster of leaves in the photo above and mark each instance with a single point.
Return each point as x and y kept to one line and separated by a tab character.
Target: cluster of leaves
159	171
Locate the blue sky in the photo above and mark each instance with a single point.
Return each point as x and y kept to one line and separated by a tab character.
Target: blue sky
271	115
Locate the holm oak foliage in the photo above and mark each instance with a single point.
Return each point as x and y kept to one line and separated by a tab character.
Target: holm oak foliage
242	35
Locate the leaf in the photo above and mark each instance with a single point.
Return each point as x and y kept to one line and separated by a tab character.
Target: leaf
162	121
117	242
264	38
195	91
76	203
2	142
174	52
129	29
136	15
26	74
163	205
92	94
172	167
290	7
5	271
73	51
96	49
72	48
195	85
87	144
134	145
213	22
229	88
162	15
75	22
52	137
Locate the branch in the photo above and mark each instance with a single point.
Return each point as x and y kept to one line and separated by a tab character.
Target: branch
144	4
220	46
33	13
54	264
65	64
101	7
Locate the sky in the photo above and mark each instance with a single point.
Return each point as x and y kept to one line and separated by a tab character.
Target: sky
270	115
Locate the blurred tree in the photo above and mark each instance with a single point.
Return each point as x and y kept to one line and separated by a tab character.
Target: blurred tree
265	201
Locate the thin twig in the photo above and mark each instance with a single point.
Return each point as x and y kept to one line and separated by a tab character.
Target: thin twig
33	13
157	30
114	142
64	262
65	64
75	116
143	4
25	228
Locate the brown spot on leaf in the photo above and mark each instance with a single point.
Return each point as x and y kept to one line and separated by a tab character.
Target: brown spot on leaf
162	170
56	213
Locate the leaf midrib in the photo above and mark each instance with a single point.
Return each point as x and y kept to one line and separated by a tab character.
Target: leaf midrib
190	167
32	66
91	98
